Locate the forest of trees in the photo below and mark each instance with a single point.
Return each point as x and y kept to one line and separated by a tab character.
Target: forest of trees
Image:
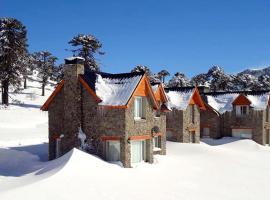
17	63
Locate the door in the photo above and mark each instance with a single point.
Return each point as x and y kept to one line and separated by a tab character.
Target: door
242	133
192	137
137	149
206	132
113	151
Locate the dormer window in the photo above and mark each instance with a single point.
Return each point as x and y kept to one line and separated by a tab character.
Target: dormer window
242	110
139	108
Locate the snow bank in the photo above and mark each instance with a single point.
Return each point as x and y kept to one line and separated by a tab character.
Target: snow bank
232	170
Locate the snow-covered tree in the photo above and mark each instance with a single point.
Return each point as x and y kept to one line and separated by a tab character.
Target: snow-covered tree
219	79
162	74
264	81
142	68
88	46
179	80
153	78
45	64
13	47
245	82
200	79
28	66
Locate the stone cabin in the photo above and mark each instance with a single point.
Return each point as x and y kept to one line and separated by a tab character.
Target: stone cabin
183	122
115	116
243	114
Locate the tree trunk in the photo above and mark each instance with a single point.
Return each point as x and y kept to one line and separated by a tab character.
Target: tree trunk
43	89
24	84
5	99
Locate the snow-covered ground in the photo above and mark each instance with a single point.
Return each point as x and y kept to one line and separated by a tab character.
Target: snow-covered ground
215	169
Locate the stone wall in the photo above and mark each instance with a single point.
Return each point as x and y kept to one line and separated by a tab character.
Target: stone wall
179	125
188	126
254	120
161	123
56	122
210	119
174	125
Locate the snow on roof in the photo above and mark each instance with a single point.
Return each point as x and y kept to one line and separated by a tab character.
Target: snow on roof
223	102
116	91
259	102
179	99
73	58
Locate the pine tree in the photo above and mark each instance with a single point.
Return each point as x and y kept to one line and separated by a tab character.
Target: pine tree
28	66
45	64
88	46
162	74
13	47
179	80
153	78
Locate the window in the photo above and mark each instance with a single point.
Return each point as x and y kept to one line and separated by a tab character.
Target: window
112	151
192	114
139	108
157	142
241	110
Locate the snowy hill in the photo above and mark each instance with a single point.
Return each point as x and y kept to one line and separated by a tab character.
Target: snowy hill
23	120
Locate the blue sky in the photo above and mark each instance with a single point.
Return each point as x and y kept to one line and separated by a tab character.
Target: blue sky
185	36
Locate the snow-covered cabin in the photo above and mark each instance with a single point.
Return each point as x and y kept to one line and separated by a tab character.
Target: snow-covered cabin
115	112
242	114
183	122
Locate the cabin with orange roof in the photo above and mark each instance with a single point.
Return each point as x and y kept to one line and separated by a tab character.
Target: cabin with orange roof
241	114
111	115
183	122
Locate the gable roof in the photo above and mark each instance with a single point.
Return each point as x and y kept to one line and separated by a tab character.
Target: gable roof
58	88
159	92
241	100
223	101
110	90
181	97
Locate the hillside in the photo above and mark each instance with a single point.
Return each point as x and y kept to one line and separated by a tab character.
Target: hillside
256	72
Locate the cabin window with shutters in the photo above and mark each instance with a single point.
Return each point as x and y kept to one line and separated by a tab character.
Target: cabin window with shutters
139	108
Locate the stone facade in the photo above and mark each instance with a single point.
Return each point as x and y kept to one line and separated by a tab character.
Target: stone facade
73	108
210	120
222	125
255	120
184	125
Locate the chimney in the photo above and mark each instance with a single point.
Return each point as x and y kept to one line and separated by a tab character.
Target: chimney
73	67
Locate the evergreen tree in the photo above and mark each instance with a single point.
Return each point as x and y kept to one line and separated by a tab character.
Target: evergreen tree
28	66
13	47
88	46
162	74
200	79
153	78
179	80
45	64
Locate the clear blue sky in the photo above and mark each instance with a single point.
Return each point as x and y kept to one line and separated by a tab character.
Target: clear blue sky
186	36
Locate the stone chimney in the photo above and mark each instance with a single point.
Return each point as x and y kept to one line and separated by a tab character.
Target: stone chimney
73	67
